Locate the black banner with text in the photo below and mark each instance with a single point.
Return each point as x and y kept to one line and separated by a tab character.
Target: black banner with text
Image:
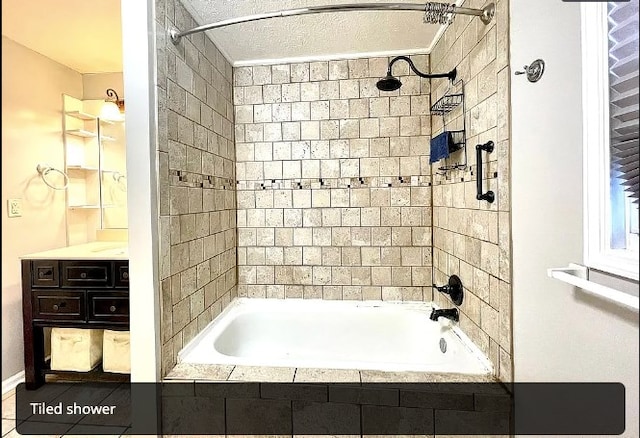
266	408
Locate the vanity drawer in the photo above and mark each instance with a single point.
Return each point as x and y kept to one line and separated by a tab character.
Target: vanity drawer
59	305
122	274
44	273
87	274
108	306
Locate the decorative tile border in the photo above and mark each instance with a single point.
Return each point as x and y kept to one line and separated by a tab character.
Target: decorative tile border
182	178
336	183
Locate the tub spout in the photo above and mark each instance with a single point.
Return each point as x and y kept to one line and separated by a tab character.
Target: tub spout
451	314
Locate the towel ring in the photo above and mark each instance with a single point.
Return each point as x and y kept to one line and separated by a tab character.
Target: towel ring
44	170
121	181
118	177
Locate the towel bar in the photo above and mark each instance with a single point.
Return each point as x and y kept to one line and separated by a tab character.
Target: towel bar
576	275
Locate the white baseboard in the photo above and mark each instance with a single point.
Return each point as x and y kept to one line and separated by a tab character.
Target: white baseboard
13	381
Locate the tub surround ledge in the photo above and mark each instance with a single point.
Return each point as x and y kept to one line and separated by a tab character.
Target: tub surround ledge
205	372
191	372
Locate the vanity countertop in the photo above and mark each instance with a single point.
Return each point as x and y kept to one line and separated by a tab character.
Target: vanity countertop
85	251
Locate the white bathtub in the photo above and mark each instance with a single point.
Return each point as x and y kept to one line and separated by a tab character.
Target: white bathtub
364	335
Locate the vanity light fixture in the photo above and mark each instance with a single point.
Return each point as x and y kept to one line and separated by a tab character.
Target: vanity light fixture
113	107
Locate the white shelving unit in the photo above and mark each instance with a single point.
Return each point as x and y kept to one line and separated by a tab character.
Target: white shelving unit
74	167
80	115
83	207
81	133
90	166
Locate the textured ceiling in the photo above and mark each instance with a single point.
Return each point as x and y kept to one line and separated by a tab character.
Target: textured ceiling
85	35
320	36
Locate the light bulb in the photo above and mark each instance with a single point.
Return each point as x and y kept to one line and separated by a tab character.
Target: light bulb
111	112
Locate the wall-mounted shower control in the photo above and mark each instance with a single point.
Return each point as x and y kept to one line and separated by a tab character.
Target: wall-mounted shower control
534	71
454	289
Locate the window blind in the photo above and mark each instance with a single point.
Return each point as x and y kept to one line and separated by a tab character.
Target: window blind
623	93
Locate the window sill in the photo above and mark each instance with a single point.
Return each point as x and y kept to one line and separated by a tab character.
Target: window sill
617	263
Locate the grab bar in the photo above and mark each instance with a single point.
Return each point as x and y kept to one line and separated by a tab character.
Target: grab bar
489	196
576	275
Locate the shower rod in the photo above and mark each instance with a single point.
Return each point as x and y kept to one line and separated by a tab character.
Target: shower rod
434	12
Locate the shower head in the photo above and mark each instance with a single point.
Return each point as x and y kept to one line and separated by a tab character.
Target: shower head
389	83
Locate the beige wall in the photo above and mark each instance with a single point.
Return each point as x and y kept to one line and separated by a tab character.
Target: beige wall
471	238
334	184
94	85
196	157
581	337
32	88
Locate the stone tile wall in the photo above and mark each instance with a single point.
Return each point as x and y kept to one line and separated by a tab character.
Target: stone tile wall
196	156
334	181
471	238
336	198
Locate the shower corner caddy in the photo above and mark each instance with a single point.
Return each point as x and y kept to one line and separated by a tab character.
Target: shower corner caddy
443	106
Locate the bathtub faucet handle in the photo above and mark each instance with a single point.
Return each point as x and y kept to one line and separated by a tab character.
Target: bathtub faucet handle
454	289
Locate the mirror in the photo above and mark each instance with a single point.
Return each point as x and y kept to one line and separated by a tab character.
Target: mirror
95	161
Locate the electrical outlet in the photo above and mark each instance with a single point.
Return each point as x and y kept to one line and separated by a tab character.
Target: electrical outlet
15	207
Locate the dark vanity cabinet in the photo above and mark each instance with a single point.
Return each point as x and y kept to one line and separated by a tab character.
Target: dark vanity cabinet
91	294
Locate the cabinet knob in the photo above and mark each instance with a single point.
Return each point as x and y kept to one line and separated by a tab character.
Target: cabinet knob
83	275
125	275
55	307
44	273
112	308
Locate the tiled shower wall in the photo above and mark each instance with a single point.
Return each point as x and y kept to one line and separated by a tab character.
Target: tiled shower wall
334	182
471	238
196	156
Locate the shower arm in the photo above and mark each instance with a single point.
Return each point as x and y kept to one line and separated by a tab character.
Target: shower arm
451	75
486	14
